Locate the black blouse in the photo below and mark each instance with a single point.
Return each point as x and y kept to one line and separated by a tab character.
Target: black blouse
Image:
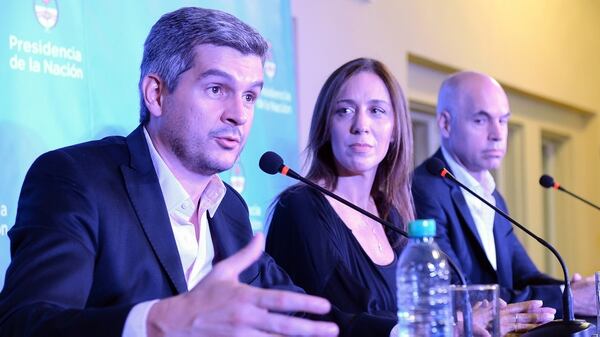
311	242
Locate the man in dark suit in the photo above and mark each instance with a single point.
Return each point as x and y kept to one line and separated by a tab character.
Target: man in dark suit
119	237
472	115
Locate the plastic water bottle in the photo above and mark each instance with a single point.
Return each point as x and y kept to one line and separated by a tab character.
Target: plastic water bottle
422	279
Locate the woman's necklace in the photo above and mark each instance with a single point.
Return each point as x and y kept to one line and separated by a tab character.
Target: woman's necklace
360	224
373	229
374	232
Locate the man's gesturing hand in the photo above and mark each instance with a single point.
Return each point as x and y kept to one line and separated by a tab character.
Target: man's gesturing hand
222	306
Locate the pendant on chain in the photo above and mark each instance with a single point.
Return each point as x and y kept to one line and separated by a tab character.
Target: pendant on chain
379	246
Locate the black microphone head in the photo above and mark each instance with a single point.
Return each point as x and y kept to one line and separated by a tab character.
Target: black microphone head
547	181
270	162
435	166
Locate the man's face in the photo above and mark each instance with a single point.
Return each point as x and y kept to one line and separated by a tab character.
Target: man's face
477	132
205	121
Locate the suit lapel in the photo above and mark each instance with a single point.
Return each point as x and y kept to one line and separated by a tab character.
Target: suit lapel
459	202
502	229
219	232
231	233
226	239
147	200
458	199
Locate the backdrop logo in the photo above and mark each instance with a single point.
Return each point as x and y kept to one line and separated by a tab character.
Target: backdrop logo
270	66
46	12
237	178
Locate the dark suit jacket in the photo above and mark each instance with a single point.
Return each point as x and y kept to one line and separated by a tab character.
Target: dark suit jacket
519	279
92	238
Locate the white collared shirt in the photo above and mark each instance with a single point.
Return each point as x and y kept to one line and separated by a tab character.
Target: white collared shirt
482	215
194	245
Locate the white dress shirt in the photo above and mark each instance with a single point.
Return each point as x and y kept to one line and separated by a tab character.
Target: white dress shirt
192	235
482	215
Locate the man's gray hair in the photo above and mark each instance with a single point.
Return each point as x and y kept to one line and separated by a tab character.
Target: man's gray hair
169	47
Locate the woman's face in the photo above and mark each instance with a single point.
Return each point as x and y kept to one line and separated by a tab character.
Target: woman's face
361	125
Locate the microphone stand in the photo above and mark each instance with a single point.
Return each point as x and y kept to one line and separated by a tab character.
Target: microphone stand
577	197
548	182
286	171
568	326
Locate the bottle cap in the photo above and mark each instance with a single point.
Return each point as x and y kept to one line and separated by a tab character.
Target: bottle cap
421	228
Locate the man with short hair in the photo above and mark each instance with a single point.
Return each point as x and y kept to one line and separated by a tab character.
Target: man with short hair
118	237
472	115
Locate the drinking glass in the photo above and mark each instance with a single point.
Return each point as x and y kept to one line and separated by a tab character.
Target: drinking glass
481	300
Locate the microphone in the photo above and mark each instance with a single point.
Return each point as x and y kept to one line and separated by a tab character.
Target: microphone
568	326
271	163
548	182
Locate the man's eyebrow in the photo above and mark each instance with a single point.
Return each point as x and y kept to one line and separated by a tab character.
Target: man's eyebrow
485	113
258	84
228	77
215	72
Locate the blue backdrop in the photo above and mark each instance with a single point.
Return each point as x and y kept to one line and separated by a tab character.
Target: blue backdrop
69	71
